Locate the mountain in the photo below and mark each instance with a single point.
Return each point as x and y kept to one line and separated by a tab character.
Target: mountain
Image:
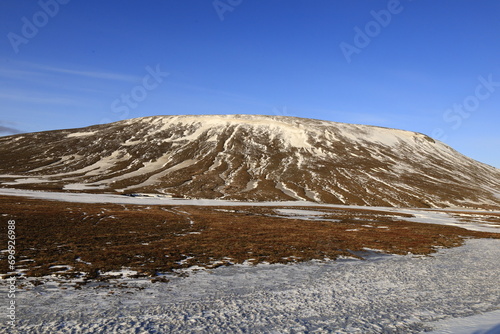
251	158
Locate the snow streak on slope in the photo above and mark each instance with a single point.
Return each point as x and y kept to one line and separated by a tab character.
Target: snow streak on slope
247	157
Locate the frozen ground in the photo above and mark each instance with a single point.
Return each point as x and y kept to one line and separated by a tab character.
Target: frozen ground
453	291
430	216
487	323
385	294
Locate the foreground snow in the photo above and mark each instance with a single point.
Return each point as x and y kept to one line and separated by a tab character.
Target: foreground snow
385	294
487	323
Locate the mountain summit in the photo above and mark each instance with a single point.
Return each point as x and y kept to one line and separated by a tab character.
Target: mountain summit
251	158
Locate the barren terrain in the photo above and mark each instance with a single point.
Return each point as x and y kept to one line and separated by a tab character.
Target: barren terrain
85	240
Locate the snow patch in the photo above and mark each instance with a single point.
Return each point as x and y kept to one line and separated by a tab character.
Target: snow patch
287	191
298	212
81	134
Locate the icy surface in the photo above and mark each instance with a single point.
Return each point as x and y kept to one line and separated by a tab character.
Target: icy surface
488	323
298	212
442	218
385	294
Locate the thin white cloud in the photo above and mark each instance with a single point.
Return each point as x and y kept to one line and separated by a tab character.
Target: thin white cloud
30	97
11	73
90	74
20	77
27	69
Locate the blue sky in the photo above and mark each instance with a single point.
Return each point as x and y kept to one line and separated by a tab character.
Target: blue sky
422	65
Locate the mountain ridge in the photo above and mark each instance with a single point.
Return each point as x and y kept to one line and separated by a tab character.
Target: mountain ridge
251	157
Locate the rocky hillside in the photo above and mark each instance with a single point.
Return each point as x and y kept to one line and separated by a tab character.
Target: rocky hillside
251	158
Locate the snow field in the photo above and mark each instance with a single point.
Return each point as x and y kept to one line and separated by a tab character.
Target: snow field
385	294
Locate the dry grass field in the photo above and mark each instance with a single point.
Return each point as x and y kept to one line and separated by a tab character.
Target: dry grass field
88	240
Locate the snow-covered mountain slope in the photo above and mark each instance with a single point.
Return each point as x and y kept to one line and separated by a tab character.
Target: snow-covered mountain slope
248	157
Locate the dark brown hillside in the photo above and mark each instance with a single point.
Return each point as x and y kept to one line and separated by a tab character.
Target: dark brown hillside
252	158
